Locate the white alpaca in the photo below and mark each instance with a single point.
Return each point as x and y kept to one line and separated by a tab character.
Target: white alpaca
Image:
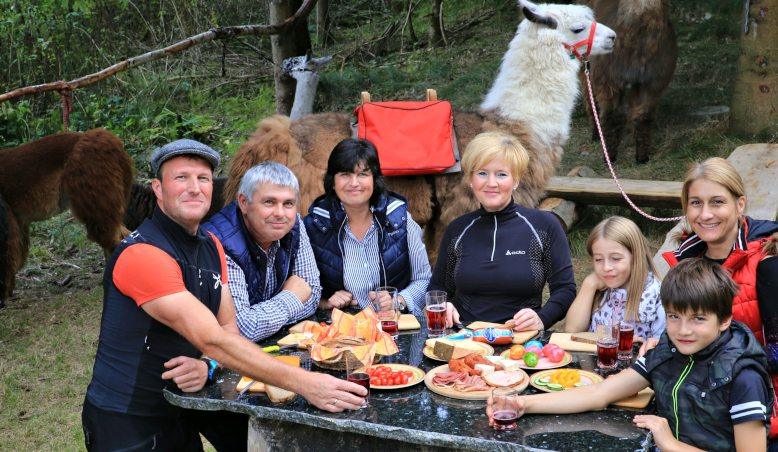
304	69
532	99
538	81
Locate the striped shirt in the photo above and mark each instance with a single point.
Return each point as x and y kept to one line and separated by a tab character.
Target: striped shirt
268	316
362	267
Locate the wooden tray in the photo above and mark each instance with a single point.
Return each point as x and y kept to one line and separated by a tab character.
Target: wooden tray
448	392
639	401
408	322
563	341
519	337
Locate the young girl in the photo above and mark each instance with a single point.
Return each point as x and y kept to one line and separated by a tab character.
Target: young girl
624	278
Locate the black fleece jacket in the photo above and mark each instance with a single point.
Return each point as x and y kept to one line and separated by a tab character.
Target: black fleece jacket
493	264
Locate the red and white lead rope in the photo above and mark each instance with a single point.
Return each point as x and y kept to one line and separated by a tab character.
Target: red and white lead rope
607	158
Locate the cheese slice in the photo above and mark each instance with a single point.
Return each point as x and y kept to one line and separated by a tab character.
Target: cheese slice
493	359
485	370
509	365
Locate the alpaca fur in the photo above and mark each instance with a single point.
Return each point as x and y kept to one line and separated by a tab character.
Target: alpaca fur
641	66
532	99
88	172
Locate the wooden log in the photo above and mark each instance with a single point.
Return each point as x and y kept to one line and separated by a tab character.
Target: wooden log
565	211
761	181
605	192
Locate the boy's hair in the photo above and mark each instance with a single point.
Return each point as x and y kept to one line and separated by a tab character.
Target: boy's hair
627	234
698	285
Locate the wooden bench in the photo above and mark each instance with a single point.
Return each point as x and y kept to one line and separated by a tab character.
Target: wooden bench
604	192
761	181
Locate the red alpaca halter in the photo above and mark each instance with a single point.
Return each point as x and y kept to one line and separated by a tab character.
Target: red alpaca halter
586	42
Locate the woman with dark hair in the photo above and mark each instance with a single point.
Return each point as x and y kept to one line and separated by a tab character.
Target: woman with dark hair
363	236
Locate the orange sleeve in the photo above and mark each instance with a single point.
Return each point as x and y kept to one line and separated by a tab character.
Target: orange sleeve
222	258
144	273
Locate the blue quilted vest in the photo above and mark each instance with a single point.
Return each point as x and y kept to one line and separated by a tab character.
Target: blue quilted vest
325	225
229	228
133	347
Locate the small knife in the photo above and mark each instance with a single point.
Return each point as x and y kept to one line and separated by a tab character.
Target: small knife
275	348
246	388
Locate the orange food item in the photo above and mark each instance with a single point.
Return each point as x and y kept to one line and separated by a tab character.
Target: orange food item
458	365
565	377
517	352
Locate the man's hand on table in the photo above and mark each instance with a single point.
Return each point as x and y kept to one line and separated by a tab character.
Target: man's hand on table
189	374
340	299
452	315
332	394
299	287
489	410
384	301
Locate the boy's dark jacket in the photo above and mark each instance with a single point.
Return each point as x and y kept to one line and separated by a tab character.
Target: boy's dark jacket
702	416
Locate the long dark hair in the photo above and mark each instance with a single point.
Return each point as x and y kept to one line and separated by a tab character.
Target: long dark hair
349	154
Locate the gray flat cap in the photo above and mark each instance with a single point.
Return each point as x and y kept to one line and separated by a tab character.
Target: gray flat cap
184	147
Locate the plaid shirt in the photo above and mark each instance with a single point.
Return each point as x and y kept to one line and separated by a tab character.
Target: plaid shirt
268	316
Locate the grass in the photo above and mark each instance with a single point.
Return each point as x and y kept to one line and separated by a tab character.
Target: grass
48	333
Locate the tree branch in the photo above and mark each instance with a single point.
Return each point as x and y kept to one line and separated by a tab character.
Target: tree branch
210	35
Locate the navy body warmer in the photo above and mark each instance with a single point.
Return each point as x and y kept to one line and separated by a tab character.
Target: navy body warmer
228	226
326	226
127	376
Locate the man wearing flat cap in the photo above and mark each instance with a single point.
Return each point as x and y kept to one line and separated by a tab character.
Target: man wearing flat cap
169	318
273	276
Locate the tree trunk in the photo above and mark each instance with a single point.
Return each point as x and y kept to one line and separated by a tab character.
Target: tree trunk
286	45
754	109
435	33
323	22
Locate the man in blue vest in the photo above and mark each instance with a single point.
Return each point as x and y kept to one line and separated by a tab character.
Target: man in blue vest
169	318
272	272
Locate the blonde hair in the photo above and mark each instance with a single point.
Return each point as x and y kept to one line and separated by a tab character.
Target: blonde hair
489	146
627	234
720	171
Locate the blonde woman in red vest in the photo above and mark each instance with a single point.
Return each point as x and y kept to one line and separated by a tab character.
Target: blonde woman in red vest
714	198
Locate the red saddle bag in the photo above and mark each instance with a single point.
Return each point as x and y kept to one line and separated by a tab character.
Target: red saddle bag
411	137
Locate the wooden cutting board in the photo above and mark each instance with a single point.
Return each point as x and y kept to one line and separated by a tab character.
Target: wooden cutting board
518	337
289	340
454	394
408	322
639	401
256	387
563	340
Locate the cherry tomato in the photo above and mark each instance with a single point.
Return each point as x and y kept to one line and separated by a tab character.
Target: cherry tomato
370	371
555	355
382	368
323	324
383	381
375	382
406	379
530	359
398	380
408	373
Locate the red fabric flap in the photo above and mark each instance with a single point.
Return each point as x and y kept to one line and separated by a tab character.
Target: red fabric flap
411	137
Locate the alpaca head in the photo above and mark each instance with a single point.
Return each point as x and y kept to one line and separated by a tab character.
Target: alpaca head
298	66
573	22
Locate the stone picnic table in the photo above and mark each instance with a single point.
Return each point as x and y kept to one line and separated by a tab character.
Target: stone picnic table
413	418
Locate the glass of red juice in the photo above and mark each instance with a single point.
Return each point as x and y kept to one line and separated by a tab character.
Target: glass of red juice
608	344
388	309
626	334
436	313
505	408
356	372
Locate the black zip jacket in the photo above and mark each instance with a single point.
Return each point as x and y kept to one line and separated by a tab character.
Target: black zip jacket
493	264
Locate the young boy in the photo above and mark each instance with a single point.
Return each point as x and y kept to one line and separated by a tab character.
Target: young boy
708	372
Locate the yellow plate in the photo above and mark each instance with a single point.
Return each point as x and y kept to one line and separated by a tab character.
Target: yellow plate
586	377
429	351
418	375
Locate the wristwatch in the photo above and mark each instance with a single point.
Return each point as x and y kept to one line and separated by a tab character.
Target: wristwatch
213	369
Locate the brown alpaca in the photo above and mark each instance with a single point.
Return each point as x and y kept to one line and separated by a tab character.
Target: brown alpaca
641	65
88	172
532	98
